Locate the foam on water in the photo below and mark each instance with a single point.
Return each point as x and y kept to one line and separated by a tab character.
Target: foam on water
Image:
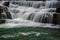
16	23
22	33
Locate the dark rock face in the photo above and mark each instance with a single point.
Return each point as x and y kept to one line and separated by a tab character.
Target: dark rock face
6	4
7	14
58	10
56	17
1	21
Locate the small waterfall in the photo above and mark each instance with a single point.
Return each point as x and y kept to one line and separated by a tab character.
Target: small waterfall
51	0
52	4
39	4
34	11
43	17
34	4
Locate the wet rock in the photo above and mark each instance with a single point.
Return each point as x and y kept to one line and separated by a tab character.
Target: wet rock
56	17
6	4
1	11
5	15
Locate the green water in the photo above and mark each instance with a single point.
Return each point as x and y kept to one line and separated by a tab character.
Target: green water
46	33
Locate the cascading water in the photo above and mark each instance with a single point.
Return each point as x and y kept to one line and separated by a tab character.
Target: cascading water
52	4
31	13
51	0
33	4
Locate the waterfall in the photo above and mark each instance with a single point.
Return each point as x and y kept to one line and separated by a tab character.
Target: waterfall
51	0
36	11
39	4
33	13
34	4
52	4
43	17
